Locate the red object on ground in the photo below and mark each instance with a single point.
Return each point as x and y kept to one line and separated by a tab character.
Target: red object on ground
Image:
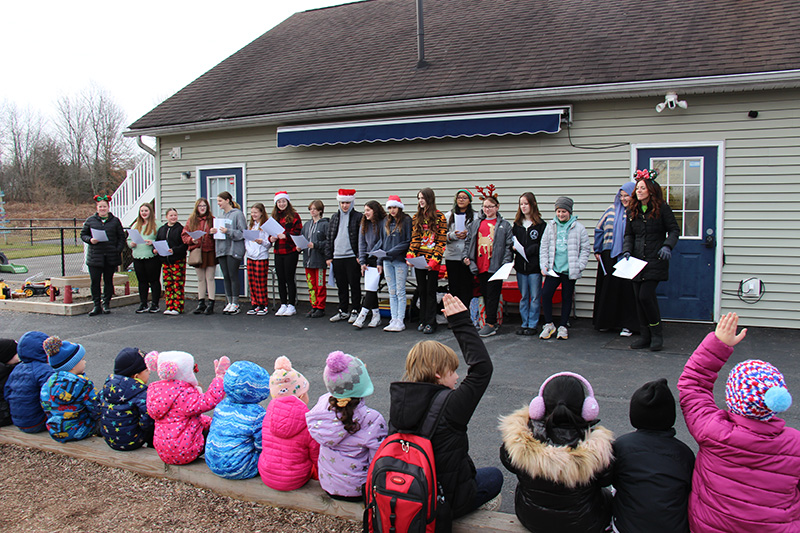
512	295
67	294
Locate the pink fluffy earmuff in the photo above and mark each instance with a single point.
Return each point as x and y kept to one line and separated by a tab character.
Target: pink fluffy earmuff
589	411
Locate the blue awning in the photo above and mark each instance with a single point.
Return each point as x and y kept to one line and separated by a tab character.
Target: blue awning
530	121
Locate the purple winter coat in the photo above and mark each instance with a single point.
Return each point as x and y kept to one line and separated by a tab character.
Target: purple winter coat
747	471
344	458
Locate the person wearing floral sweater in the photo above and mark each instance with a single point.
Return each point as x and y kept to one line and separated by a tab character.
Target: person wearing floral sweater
177	404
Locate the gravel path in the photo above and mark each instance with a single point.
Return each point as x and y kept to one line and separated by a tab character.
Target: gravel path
45	492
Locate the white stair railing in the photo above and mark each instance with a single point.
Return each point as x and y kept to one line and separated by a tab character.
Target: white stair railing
138	187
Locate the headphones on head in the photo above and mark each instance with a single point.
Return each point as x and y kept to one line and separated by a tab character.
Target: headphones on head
589	411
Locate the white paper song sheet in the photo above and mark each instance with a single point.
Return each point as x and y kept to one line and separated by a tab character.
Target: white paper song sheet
372	279
552	273
162	248
520	249
221	223
418	262
251	234
503	272
461	222
300	242
628	268
100	235
135	236
331	279
378	254
196	234
272	227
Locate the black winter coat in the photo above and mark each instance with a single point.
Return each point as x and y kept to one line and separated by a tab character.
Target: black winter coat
560	487
5	411
352	231
409	405
104	253
645	236
172	234
530	238
653	478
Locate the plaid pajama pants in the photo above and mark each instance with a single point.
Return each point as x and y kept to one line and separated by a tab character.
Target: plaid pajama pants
257	270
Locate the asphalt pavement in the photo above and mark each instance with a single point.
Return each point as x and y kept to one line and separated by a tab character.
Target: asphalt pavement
520	363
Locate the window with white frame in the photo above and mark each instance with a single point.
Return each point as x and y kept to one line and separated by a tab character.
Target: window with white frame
682	184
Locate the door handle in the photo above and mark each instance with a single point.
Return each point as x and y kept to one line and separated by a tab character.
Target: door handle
710	241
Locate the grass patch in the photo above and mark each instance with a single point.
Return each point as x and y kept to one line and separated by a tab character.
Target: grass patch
40	250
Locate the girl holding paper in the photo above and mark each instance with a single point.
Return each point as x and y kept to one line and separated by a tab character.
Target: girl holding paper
258	262
146	263
229	248
103	256
461	281
202	220
174	265
286	254
528	230
395	240
650	235
489	244
369	236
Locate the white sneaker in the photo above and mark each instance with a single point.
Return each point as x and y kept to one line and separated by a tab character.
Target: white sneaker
547	331
290	310
392	326
625	332
262	311
376	318
234	309
227	308
361	318
171	312
253	311
562	333
353	316
341	315
281	311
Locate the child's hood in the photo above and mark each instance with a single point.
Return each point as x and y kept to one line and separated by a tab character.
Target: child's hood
409	404
560	464
173	365
30	347
65	387
246	382
287	416
122	389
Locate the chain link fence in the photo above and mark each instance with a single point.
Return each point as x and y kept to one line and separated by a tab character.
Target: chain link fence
51	251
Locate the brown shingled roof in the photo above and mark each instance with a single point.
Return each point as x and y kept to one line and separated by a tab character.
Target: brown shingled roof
365	52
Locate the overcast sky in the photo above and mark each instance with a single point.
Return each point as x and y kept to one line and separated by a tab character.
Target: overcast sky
139	52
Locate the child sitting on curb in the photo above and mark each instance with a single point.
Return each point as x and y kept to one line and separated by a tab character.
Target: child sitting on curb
8	360
124	422
24	386
68	397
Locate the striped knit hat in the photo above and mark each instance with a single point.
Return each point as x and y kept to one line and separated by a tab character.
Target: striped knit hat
757	390
62	355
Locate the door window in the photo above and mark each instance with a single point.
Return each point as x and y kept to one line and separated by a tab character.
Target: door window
217	184
681	183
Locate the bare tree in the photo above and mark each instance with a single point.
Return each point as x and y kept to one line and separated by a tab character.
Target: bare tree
23	140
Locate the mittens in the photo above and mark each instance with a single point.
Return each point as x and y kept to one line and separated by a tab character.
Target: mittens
221	366
665	253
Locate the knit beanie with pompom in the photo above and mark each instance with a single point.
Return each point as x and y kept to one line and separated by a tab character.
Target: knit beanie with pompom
346	376
757	390
286	381
62	355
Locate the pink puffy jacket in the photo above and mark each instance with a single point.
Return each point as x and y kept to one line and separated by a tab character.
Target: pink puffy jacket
747	471
177	408
288	453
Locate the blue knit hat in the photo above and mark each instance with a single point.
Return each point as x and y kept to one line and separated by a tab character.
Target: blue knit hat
756	389
246	382
346	376
63	355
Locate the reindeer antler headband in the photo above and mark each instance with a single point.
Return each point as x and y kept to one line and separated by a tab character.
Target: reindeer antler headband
488	192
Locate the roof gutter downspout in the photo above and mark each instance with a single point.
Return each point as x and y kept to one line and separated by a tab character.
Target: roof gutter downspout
144	147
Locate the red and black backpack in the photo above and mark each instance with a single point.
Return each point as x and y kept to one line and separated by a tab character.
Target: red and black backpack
402	494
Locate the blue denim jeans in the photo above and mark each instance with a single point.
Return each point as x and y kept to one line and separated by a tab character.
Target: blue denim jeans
490	483
396	273
530	286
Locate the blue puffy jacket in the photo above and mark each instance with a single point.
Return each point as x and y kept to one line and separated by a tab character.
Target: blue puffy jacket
124	422
25	382
70	402
234	439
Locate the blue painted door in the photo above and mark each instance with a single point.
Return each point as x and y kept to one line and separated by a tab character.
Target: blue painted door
212	182
688	178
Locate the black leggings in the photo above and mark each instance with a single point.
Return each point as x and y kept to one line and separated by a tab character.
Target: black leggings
427	283
647	302
148	272
490	290
285	269
106	272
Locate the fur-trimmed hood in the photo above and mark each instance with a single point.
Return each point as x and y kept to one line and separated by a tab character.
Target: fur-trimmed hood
560	464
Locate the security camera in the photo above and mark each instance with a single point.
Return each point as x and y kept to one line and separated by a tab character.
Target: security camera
671	101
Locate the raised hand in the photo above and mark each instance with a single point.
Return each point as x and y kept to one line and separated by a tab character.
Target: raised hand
726	330
452	305
221	366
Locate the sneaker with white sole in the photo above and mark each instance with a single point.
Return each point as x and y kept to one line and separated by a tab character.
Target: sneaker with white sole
625	332
547	331
392	326
290	310
493	504
353	316
376	319
227	308
281	311
235	310
488	330
262	311
361	318
171	312
338	317
563	334
253	311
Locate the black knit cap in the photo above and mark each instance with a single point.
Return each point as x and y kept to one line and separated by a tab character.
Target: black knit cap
8	349
653	406
129	361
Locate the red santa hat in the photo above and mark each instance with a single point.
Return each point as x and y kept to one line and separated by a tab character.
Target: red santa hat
394	201
279	195
346	195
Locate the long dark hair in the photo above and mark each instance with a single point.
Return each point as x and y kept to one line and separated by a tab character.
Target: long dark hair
345	414
428	213
535	214
378	213
225	195
654	203
398	220
289	213
194	219
467	211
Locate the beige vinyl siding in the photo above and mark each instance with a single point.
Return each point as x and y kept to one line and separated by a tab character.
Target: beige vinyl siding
761	158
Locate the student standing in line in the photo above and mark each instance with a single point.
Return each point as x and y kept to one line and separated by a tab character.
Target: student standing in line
146	262
174	265
230	249
428	239
286	254
201	219
257	252
103	257
369	236
460	279
316	233
341	256
528	229
395	240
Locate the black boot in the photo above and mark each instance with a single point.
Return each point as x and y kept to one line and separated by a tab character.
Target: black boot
657	335
210	308
644	339
201	307
106	306
97	310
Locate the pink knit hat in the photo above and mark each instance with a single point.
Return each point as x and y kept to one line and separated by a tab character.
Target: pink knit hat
286	381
